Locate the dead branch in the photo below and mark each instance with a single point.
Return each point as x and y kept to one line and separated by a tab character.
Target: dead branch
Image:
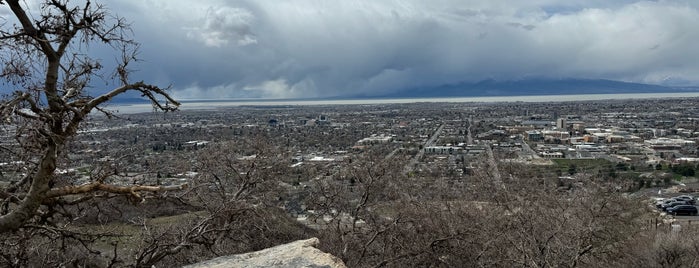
116	189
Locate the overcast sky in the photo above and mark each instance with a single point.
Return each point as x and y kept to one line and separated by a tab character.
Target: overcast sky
306	48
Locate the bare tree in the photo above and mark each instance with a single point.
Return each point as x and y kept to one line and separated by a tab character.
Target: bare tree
237	193
43	61
522	219
663	247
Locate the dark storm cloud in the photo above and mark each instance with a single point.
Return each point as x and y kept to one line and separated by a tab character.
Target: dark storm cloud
307	48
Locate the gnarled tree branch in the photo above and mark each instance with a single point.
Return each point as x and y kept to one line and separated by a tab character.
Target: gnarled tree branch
50	108
116	189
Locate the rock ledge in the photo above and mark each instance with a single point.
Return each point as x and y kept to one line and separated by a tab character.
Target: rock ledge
301	253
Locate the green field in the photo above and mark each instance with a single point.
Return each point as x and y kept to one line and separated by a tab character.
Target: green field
582	165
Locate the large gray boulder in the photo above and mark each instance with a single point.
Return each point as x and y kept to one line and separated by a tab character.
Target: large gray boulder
301	253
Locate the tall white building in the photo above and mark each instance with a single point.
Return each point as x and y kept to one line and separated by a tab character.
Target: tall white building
561	123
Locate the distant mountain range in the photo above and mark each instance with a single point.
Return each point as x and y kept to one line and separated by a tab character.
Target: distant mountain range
530	87
504	88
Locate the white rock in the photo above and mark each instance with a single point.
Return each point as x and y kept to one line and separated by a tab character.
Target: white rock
301	253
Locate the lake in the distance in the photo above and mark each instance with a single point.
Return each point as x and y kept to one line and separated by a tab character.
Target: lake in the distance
215	104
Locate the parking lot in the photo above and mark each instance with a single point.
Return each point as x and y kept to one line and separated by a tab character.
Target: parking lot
686	202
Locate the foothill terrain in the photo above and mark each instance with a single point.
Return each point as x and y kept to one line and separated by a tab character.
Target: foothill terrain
388	184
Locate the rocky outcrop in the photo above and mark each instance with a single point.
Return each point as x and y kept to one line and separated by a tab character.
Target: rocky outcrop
301	253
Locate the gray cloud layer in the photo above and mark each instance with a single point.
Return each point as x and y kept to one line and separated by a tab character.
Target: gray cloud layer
307	48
